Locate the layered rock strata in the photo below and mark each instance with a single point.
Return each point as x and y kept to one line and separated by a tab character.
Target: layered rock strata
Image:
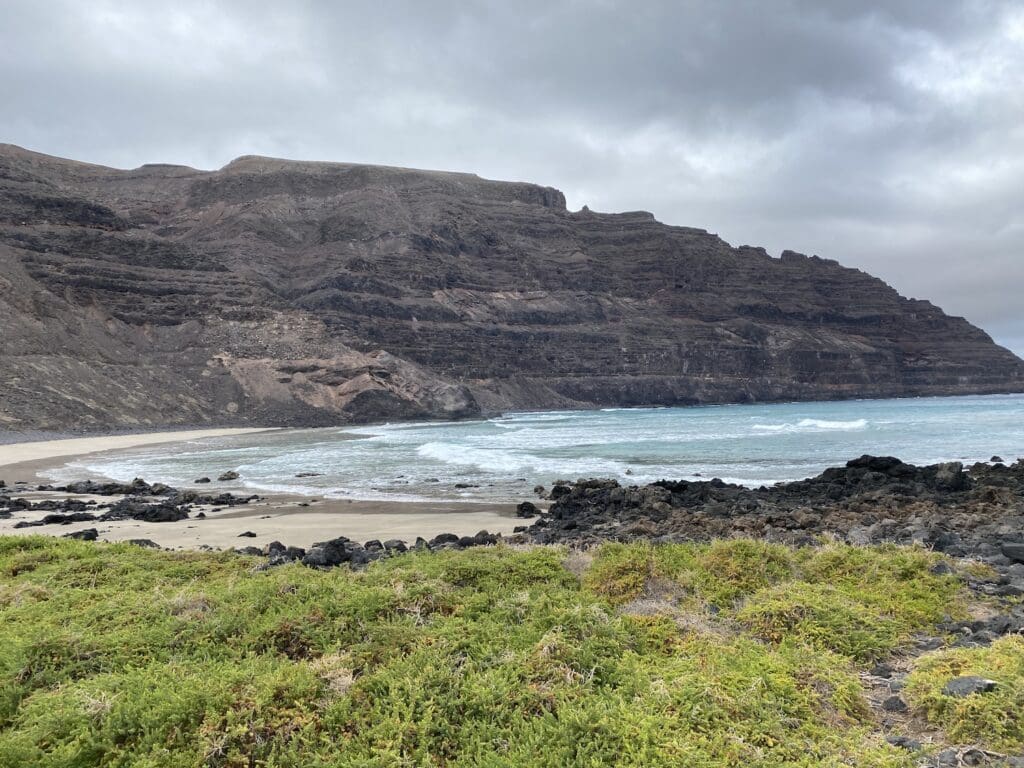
293	293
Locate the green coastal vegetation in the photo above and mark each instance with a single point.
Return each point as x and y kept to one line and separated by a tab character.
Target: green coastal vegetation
727	653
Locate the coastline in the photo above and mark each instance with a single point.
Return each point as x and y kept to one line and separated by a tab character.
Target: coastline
33	451
293	519
23	460
281	518
298	516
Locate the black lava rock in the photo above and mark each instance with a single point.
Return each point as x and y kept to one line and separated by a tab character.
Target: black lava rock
904	742
162	512
527	509
974	756
882	670
483	538
88	534
326	554
962	687
443	538
74	517
1014	550
894	704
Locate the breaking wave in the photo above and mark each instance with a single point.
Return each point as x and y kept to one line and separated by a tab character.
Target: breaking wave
504	457
805	425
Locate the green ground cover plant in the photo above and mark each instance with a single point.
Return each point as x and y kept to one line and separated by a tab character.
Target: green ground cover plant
993	719
729	653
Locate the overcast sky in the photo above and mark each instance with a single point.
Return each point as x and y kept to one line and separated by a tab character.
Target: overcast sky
887	135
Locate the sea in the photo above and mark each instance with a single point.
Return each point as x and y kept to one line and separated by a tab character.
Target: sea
505	457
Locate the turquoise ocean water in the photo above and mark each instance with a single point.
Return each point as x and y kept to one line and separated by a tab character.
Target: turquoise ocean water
503	458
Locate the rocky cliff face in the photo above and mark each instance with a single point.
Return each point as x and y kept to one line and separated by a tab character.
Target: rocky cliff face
280	292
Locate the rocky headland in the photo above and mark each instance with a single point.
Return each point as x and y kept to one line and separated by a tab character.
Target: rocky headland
976	511
273	292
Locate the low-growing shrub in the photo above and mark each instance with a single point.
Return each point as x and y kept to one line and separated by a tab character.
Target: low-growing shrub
823	616
994	718
111	655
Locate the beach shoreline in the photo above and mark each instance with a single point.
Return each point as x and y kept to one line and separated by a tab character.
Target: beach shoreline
20	458
290	518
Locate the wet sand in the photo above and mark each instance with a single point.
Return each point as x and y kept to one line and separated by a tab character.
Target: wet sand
20	461
275	517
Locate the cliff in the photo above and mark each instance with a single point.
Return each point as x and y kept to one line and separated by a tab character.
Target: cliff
279	292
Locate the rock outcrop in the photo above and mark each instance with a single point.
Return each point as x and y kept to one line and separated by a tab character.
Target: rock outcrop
278	292
976	512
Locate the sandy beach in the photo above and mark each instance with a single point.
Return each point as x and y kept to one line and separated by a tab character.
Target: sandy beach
293	520
21	461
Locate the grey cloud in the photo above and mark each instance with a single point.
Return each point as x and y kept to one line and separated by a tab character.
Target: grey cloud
888	135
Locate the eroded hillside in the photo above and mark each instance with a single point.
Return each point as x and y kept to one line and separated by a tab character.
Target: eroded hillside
283	292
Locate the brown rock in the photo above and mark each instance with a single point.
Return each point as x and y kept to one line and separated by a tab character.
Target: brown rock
278	292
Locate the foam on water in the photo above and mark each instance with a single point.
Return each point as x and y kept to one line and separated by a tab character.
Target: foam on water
812	424
468	456
504	457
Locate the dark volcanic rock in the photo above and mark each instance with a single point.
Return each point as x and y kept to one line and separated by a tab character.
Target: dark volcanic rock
527	509
281	292
62	505
161	513
325	554
443	539
137	487
904	742
58	519
483	538
882	670
340	551
220	500
8	505
894	704
1014	550
963	687
229	475
870	500
88	534
278	554
157	503
126	509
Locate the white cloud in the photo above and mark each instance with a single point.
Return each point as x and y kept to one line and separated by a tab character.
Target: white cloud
889	135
